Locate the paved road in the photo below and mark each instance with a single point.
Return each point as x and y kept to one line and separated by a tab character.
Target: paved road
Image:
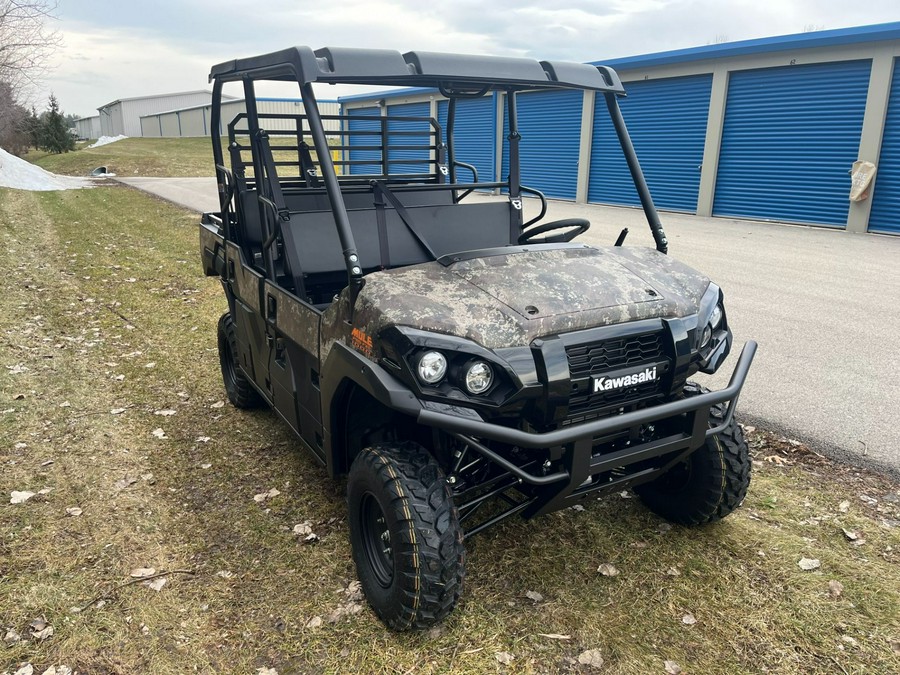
824	306
197	194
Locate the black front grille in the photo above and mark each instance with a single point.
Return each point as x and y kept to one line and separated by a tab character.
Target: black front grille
597	358
602	357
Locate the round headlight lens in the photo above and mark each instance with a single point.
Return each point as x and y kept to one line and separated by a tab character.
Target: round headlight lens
479	377
716	318
707	336
432	367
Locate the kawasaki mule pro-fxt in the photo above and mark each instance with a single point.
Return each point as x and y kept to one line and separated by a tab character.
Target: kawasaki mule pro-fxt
457	364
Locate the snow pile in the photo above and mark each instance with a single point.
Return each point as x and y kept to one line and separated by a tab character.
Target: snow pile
106	140
22	175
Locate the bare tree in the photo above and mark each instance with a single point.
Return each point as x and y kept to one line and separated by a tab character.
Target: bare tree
14	122
26	41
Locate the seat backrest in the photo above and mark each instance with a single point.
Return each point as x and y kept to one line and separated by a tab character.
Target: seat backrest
249	205
312	245
251	229
364	199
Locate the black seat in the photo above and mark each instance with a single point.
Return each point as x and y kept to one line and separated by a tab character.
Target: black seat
314	254
318	201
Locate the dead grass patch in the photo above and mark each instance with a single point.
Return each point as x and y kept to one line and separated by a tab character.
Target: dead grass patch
154	157
134	157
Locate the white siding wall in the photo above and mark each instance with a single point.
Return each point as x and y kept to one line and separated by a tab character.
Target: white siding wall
134	109
150	127
331	108
229	112
88	127
111	123
169	123
195	121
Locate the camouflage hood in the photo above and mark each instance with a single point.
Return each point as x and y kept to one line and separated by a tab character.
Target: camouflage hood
509	300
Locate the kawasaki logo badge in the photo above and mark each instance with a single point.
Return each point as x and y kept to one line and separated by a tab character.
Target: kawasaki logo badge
613	383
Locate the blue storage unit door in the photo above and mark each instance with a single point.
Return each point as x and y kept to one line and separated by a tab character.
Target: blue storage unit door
666	120
474	135
790	137
362	120
885	214
550	126
421	139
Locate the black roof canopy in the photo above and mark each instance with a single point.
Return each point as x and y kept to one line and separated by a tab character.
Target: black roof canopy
341	65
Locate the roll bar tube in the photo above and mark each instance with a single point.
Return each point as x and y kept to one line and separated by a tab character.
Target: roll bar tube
261	174
451	151
215	123
338	208
634	166
515	175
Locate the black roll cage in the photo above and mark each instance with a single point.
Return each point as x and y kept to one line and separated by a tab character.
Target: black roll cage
455	76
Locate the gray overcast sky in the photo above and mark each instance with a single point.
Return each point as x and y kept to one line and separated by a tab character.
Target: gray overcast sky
119	48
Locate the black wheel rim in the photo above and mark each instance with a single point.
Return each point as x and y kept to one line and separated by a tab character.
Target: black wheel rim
376	540
677	478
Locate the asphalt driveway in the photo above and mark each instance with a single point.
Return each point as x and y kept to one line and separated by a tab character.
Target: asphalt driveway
824	306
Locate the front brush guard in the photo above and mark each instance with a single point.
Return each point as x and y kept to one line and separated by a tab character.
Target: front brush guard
579	463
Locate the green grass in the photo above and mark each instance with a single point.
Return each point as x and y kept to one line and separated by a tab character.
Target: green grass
92	277
134	157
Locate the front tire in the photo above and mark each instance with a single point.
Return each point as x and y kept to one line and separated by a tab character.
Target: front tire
238	388
711	483
405	535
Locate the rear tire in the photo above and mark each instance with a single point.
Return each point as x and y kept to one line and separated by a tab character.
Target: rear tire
405	535
238	388
711	483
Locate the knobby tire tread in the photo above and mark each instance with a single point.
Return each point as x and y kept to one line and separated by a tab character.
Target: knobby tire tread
720	474
431	551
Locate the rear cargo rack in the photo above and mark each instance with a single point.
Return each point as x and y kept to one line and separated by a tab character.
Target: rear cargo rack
363	148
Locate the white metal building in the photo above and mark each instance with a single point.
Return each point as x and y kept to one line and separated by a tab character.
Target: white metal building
123	116
88	127
195	120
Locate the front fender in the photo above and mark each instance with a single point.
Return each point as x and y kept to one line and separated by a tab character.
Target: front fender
344	368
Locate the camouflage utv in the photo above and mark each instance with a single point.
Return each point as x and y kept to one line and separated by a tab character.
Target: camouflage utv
457	363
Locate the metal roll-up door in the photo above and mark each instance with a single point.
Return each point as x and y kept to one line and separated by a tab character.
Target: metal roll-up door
399	160
666	120
885	215
789	139
361	119
550	126
474	135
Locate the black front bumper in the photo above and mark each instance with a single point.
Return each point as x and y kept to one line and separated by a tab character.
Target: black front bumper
578	460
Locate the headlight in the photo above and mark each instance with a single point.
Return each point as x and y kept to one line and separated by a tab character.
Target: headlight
716	317
432	367
479	377
707	336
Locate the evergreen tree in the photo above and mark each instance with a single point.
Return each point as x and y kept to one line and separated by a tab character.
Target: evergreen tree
54	133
